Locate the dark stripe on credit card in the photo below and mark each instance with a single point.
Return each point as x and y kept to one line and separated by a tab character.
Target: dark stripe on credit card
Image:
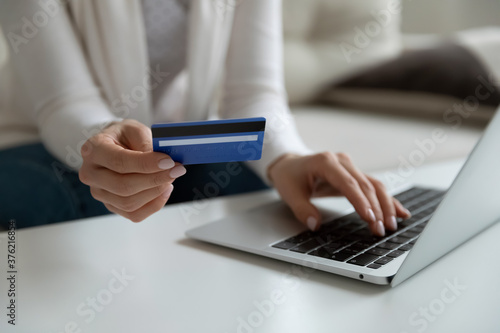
191	130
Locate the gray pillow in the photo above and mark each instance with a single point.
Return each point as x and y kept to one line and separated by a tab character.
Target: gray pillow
448	69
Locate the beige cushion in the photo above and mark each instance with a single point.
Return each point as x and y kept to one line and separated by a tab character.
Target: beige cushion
325	40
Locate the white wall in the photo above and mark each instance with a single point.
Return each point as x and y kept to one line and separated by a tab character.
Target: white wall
445	16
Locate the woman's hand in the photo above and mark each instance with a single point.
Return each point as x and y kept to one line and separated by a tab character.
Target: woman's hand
299	178
125	174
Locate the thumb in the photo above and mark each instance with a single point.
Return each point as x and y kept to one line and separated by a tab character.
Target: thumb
299	200
137	136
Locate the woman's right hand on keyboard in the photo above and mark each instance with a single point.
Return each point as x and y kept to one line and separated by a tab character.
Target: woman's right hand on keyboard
299	178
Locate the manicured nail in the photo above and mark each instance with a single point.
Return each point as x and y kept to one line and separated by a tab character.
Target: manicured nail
312	223
380	229
168	191
372	215
393	224
408	213
166	164
178	171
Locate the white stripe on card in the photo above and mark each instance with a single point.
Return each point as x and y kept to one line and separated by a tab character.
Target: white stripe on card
201	141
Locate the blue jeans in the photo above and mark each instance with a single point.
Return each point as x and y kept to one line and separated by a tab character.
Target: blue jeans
37	189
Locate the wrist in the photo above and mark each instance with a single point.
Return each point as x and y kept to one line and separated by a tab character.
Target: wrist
276	163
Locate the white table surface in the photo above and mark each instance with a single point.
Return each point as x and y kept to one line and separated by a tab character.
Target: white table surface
181	285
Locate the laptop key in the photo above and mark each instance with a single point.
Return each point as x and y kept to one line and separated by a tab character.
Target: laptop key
409	234
395	254
383	260
326	251
367	238
356	248
342	255
322	252
378	251
409	194
363	233
408	222
350	238
366	244
388	245
358	222
374	266
334	246
307	246
324	239
388	232
418	229
398	240
406	247
362	259
327	228
284	245
300	238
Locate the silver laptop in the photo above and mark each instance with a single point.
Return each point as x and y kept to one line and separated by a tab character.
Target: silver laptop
344	246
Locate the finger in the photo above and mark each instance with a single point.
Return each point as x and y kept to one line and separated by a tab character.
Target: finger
401	211
137	136
324	189
130	203
369	191
128	184
327	166
387	204
107	153
143	212
297	196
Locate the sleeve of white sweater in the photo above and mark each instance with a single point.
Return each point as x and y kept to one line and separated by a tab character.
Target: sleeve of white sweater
254	80
66	104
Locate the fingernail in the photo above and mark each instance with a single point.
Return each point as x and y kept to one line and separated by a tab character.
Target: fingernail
178	171
408	213
312	223
166	164
372	215
393	224
168	191
380	229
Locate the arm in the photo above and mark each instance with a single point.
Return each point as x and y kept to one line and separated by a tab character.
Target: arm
254	84
76	123
65	102
254	87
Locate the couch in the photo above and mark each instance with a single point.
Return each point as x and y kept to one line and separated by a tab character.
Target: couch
327	41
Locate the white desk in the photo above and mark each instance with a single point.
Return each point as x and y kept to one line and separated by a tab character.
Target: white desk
182	285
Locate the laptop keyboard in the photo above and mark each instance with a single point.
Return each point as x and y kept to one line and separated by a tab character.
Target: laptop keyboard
348	239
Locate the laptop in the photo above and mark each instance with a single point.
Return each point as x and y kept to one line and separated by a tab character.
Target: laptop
440	222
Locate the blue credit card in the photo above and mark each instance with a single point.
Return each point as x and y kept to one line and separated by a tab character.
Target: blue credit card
212	141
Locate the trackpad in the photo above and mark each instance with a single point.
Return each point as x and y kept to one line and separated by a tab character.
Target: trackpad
254	229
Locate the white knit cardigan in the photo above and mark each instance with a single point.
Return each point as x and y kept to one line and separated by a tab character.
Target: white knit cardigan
73	67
